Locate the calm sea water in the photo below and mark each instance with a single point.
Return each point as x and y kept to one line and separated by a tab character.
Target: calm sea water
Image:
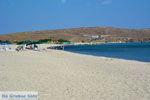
129	51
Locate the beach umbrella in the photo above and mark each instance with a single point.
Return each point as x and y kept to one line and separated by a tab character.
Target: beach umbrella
24	42
34	42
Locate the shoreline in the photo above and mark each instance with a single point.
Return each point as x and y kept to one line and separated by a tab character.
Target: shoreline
99	53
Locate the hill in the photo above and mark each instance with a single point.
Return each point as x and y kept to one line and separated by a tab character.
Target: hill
107	34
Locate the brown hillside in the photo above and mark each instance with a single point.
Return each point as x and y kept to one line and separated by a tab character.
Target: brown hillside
83	34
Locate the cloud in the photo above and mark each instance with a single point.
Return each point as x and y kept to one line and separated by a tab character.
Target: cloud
106	2
63	1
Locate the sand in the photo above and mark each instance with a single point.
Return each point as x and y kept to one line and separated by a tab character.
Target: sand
60	75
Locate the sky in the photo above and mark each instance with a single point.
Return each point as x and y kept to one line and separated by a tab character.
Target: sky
31	15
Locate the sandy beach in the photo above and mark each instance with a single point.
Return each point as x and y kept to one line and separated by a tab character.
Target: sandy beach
60	75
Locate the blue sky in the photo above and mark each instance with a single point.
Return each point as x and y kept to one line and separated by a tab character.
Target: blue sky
30	15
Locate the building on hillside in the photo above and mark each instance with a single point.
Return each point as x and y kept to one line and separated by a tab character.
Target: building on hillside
146	39
95	37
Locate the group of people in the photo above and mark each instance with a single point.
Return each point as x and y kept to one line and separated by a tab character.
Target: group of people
5	48
27	46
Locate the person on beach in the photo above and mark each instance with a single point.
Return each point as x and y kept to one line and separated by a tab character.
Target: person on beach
35	47
20	47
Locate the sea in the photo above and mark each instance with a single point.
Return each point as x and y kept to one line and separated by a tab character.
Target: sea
138	51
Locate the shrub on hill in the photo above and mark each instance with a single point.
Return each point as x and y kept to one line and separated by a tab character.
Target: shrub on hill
5	41
62	40
44	40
